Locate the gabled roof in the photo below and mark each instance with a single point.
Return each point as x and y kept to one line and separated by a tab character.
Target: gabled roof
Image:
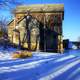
17	22
10	22
40	8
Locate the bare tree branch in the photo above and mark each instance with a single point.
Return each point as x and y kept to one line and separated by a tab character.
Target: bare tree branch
9	4
3	24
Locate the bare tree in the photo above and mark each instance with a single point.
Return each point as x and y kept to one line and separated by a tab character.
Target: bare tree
3	24
3	29
10	4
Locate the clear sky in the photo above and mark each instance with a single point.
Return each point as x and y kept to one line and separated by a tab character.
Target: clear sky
71	23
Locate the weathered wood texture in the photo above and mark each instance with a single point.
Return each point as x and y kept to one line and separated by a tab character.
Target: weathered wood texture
48	16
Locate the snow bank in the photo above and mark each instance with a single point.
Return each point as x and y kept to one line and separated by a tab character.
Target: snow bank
5	54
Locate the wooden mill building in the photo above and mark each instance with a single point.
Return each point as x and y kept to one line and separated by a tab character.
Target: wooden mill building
37	27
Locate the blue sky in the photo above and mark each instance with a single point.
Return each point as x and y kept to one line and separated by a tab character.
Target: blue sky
71	23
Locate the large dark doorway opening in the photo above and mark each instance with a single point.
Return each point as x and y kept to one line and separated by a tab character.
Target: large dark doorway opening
51	41
48	39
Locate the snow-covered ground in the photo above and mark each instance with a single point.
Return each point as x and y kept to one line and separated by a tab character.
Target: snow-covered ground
41	66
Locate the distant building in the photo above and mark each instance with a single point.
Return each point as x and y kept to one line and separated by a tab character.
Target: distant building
66	45
76	44
38	27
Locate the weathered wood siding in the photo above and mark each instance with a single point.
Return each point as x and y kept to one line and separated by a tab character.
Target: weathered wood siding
52	20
